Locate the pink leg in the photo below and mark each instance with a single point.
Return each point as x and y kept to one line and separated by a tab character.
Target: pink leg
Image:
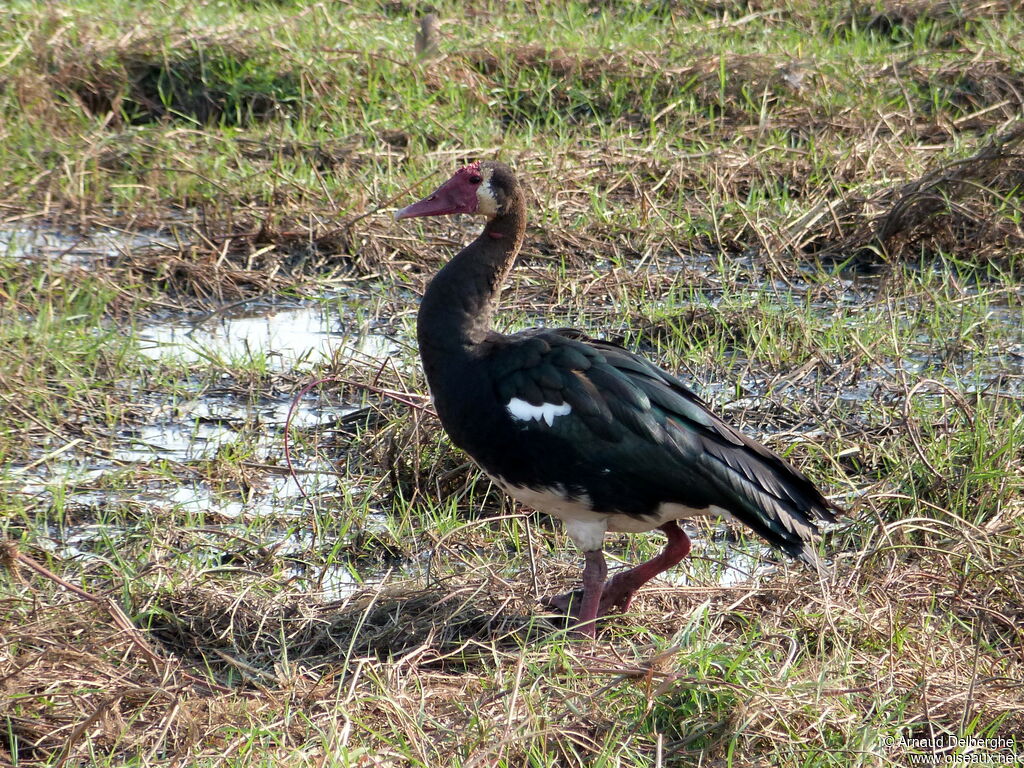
620	590
595	571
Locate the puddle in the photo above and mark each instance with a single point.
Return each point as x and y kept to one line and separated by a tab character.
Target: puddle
78	542
339	582
277	496
185	432
282	337
732	566
231	542
68	249
175	442
179	433
197	429
226	408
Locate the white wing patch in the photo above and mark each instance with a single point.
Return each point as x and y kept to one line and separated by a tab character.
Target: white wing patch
524	411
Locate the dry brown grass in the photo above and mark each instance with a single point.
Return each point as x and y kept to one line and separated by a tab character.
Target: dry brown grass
977	93
75	680
954	208
951	18
722	85
965	206
133	80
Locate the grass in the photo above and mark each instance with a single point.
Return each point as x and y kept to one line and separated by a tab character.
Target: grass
812	211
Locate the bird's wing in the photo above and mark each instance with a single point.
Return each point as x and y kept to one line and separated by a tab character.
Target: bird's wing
602	396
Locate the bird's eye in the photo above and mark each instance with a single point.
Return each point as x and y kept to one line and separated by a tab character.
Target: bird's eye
475	179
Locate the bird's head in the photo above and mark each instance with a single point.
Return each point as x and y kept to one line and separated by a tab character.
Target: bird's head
483	188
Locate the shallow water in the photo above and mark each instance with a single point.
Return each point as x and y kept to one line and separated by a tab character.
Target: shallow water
283	337
63	248
186	432
180	432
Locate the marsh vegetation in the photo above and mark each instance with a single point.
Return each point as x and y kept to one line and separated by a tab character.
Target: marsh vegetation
811	210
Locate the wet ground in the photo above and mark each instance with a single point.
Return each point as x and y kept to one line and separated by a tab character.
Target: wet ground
197	422
58	247
294	338
284	337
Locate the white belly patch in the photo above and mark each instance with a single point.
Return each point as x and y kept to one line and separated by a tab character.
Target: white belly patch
587	527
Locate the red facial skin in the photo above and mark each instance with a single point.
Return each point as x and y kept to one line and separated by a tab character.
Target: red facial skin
457	195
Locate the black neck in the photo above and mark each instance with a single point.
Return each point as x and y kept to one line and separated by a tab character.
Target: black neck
456	311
